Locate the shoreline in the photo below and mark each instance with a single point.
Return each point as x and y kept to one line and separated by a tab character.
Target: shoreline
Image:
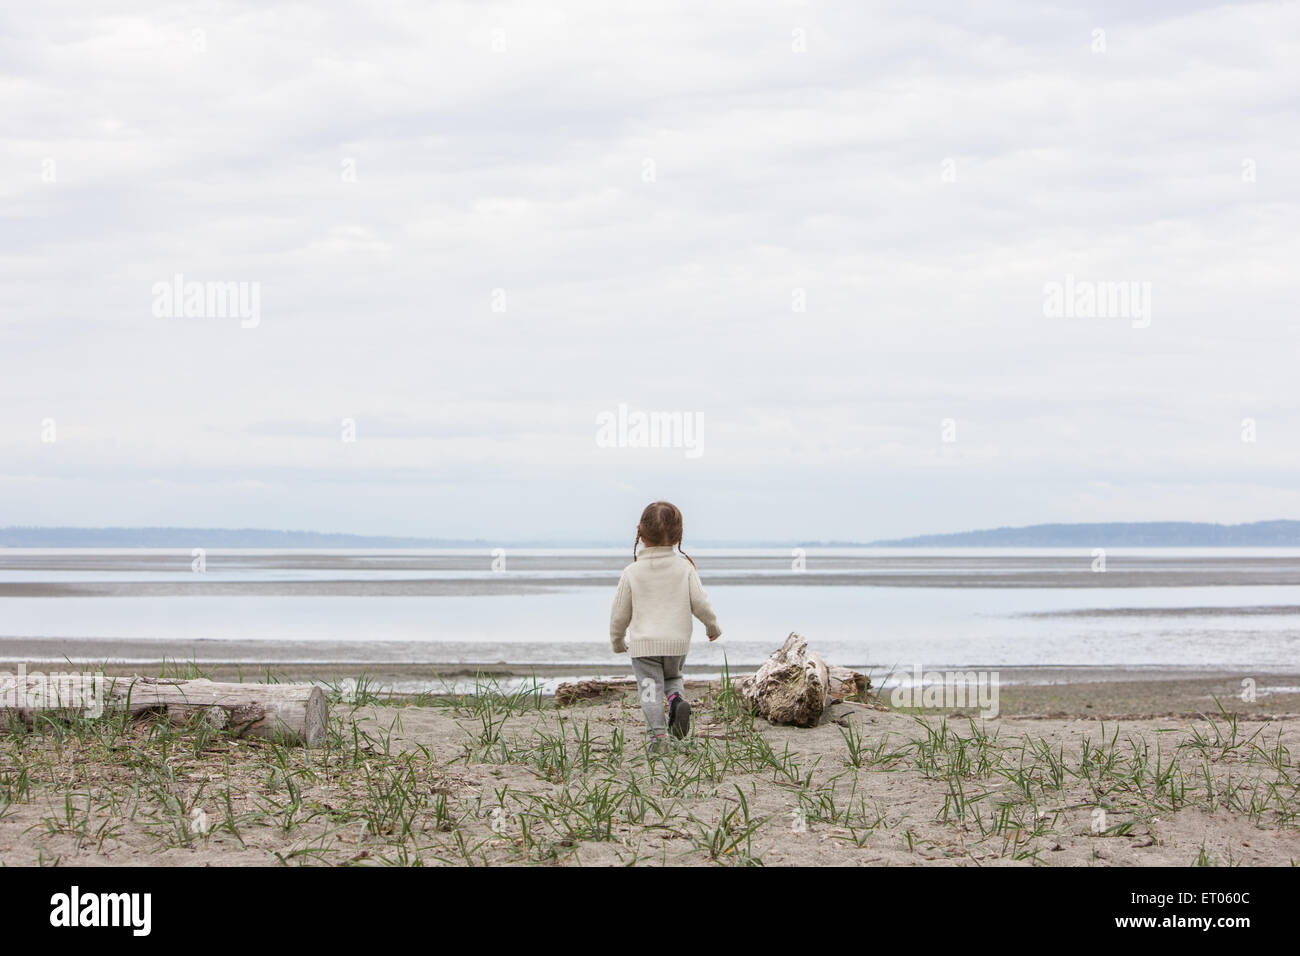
1080	691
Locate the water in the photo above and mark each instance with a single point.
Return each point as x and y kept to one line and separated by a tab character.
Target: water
875	608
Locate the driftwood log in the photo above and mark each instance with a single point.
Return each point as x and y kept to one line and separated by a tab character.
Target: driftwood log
794	685
567	694
848	684
295	713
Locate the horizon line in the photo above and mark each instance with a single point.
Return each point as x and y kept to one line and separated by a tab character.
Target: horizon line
392	540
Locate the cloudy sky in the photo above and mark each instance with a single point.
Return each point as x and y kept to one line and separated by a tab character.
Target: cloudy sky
823	231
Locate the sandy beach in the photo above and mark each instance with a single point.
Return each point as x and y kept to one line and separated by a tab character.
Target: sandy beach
446	745
513	778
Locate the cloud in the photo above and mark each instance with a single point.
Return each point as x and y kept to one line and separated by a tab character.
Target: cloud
475	227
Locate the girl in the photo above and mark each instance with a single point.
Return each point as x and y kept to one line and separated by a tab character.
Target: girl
657	594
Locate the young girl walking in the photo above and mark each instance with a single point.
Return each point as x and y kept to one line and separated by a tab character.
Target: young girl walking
656	596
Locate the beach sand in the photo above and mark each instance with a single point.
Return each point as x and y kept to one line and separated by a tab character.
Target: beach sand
516	779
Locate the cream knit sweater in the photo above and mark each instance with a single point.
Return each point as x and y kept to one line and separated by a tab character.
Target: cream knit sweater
656	597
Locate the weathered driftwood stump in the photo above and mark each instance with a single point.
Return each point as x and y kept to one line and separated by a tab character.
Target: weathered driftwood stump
790	687
794	685
296	713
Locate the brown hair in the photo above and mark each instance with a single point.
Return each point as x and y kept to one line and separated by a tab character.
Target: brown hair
660	526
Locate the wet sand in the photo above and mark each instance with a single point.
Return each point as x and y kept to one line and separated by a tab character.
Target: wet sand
601	570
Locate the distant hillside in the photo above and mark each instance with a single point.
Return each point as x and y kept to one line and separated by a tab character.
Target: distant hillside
1120	534
1154	534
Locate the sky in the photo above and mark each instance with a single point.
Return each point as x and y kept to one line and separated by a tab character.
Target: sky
475	242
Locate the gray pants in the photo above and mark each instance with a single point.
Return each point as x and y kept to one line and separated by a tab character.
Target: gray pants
657	679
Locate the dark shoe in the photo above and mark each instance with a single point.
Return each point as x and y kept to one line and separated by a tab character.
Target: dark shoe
679	715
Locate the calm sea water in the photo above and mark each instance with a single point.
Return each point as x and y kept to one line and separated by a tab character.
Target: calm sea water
861	607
